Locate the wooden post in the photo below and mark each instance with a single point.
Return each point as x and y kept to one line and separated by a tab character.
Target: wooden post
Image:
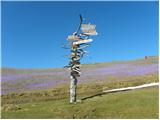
75	72
79	41
73	87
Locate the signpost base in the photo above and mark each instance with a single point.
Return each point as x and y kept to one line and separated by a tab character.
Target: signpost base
73	87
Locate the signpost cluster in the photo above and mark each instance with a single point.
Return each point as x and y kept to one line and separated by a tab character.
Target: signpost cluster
79	40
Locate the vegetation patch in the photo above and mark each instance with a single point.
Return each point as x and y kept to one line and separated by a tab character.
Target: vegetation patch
140	104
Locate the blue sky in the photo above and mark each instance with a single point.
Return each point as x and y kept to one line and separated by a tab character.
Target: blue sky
33	32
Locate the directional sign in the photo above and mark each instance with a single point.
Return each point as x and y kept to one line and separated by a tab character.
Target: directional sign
88	26
73	37
82	42
89	29
78	41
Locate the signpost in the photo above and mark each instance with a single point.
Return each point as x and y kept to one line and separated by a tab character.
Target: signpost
78	41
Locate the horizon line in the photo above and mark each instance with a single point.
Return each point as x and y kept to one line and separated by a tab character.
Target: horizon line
8	67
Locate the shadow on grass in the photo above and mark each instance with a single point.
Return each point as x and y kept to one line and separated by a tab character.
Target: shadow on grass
100	94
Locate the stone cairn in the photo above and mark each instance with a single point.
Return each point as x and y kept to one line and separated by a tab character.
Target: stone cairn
79	40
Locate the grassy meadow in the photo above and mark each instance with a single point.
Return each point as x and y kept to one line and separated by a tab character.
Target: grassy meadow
130	104
44	93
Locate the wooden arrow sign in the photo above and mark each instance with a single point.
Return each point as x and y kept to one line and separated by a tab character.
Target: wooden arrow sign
82	42
89	29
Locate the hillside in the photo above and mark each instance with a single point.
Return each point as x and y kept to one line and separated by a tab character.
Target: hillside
27	91
21	80
137	104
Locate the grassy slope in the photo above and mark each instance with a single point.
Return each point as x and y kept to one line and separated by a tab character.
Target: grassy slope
141	103
84	90
43	79
53	103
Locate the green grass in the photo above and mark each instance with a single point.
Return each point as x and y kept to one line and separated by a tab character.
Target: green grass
142	103
83	90
54	103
